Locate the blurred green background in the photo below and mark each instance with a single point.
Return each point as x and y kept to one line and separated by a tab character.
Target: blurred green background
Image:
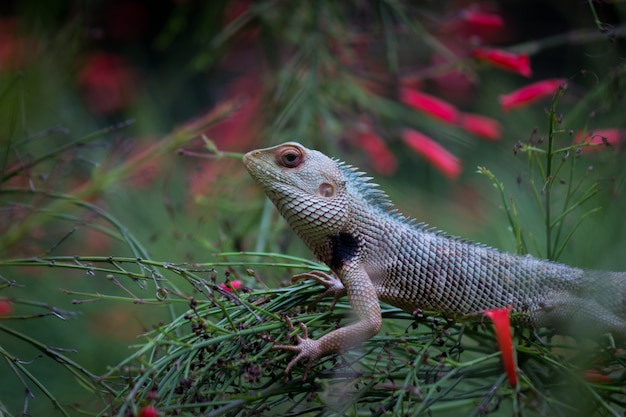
109	101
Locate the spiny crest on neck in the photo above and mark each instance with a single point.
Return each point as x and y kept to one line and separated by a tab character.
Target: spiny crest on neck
360	184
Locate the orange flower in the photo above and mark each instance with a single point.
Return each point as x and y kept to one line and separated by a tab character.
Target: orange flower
505	60
433	152
482	126
430	105
531	93
502	327
601	138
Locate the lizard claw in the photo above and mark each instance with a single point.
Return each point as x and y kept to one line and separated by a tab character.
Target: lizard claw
305	348
333	286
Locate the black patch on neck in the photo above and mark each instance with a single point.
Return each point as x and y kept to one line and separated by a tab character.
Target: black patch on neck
343	248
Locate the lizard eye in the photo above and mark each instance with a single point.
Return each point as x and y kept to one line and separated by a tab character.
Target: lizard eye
289	157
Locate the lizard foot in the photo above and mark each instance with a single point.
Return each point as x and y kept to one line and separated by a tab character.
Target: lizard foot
306	348
332	284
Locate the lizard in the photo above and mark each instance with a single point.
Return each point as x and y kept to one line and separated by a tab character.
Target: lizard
376	253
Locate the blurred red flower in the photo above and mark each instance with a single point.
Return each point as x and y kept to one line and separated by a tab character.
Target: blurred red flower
148	411
481	19
433	152
6	307
237	131
502	327
601	138
595	376
531	93
482	126
475	24
107	81
383	161
235	284
429	105
13	46
452	83
505	60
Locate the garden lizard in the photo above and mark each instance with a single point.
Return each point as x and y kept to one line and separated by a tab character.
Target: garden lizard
377	253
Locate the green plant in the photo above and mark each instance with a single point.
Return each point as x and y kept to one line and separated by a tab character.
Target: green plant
120	217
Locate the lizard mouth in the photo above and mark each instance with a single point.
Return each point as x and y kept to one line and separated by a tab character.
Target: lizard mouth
249	161
248	158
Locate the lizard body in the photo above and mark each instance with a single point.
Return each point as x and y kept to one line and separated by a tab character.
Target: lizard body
377	253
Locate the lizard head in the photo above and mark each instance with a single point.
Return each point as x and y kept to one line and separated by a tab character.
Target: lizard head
307	187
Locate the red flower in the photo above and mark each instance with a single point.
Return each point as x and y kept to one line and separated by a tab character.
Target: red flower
505	60
6	307
601	139
452	84
108	82
382	159
433	152
148	411
482	126
10	45
236	131
502	327
531	93
236	284
430	105
482	20
595	376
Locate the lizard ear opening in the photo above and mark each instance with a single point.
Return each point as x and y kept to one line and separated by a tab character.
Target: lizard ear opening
326	190
289	156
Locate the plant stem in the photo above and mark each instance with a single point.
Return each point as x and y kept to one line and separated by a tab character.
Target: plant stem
548	180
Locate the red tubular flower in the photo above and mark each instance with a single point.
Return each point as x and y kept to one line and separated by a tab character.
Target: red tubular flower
531	93
433	152
236	284
482	126
382	159
601	138
505	60
502	326
482	20
593	375
430	105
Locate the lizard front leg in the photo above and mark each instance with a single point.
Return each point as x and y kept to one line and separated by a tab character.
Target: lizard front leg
364	303
333	286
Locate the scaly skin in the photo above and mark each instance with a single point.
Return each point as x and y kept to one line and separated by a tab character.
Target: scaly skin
379	254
